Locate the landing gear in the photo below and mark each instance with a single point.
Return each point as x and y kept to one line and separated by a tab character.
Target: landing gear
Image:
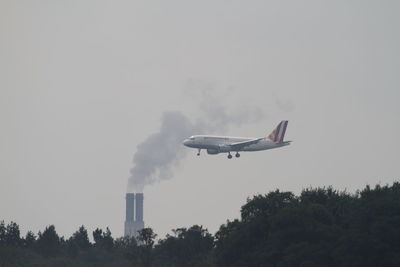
229	155
198	153
237	154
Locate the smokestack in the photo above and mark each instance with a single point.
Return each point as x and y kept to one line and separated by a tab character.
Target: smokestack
139	207
132	226
130	205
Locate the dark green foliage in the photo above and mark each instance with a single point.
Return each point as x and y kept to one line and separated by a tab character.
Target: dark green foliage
102	239
320	227
144	251
266	206
187	247
9	234
12	237
373	234
2	233
30	240
146	237
49	243
79	240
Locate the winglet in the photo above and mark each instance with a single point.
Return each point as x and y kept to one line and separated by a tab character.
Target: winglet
278	133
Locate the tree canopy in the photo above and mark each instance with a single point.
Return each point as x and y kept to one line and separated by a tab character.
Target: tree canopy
319	227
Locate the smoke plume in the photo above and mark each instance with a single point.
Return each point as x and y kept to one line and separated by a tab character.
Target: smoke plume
157	155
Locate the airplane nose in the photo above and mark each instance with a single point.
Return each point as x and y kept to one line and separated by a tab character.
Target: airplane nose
185	142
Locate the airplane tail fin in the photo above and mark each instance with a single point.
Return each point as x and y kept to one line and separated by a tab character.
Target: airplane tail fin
278	134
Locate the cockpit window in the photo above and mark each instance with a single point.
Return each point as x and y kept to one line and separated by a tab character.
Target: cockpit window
191	138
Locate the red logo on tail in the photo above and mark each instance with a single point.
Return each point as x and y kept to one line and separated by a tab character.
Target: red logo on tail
278	134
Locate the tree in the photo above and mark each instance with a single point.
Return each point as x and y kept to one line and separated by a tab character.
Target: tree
12	235
146	240
321	227
187	247
126	247
2	232
102	239
267	205
48	242
146	237
240	243
80	239
29	240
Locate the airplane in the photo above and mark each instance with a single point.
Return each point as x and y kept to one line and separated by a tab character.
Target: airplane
226	144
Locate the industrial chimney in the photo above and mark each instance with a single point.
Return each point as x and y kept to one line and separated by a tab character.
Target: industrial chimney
130	206
133	223
139	207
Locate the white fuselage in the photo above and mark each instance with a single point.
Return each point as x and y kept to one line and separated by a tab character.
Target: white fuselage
222	143
226	144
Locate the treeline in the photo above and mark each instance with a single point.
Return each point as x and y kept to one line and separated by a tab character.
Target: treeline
320	227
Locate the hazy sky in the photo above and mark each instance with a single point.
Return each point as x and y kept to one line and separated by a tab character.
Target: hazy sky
83	83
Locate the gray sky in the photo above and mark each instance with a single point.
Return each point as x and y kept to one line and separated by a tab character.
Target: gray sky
83	83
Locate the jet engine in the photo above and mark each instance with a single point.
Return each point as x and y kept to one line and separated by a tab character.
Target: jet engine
220	149
212	151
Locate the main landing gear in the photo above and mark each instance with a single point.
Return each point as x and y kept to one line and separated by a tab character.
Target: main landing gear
236	155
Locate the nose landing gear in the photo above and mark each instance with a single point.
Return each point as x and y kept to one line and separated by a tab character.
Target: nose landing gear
198	153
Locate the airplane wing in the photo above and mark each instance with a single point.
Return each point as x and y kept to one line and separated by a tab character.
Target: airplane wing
240	145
